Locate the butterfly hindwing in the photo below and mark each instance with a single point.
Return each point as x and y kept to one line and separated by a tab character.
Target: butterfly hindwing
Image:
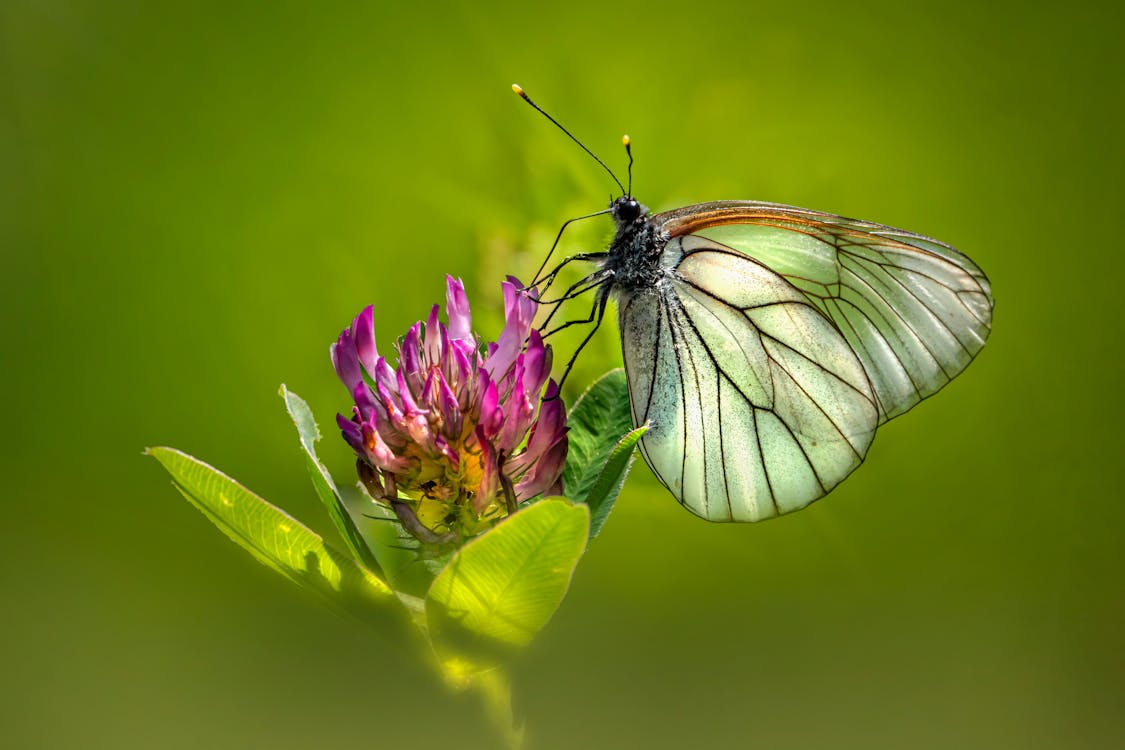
757	404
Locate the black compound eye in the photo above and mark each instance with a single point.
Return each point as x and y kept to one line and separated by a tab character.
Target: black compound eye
628	209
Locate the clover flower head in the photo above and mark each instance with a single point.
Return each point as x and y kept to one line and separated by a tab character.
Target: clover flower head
454	435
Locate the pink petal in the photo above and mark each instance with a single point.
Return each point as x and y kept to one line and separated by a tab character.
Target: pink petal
550	424
385	376
545	473
345	360
519	412
409	359
443	447
450	410
365	400
457	309
352	433
432	352
363	331
379	453
460	371
490	475
491	415
426	398
537	365
519	311
409	405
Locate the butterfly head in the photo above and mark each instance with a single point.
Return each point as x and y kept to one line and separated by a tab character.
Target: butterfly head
627	210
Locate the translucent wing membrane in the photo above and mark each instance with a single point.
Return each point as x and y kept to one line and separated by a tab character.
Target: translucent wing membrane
758	404
913	310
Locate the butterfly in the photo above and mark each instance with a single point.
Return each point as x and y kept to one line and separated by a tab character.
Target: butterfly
765	344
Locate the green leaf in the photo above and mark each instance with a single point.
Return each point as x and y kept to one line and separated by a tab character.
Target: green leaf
597	421
501	588
322	481
609	483
281	542
602	441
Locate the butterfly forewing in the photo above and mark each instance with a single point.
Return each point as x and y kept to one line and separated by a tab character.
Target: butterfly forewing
914	310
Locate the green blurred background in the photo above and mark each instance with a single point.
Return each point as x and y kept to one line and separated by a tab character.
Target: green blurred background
196	197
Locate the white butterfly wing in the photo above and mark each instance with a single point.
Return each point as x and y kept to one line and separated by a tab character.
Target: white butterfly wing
757	404
914	310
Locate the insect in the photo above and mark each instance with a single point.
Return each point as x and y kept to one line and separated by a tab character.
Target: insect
765	344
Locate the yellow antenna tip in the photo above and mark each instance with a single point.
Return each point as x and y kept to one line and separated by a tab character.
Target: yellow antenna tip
517	89
625	140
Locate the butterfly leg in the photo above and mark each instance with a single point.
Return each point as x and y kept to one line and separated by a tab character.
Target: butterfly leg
550	277
576	322
600	303
577	289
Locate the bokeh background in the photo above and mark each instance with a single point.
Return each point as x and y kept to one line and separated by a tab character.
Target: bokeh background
195	197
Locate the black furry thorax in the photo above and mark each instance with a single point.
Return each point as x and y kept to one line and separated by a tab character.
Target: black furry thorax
634	253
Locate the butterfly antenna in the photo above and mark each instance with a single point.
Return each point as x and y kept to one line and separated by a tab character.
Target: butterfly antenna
629	151
536	107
